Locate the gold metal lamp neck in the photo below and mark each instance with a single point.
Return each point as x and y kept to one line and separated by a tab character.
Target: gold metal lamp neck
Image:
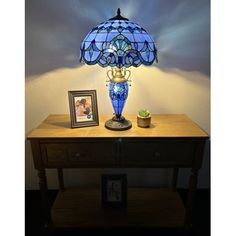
118	75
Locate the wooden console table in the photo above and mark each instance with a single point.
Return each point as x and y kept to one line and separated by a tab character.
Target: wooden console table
172	141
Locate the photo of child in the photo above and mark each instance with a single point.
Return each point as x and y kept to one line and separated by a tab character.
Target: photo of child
114	191
83	108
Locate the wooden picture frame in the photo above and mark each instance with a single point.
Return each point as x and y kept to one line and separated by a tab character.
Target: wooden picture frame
114	190
83	108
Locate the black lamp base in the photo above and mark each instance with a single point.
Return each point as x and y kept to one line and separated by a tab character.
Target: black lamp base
118	124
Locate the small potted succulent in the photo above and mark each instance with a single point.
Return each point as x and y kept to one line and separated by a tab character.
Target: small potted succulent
144	118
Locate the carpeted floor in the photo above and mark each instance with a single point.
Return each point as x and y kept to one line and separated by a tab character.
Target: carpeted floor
34	220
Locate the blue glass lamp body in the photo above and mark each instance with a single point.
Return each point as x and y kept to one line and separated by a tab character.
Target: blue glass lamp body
118	93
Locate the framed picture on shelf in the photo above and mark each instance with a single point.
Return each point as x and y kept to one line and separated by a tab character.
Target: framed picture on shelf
83	108
114	190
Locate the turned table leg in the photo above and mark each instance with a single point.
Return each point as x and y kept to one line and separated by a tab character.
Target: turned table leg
190	199
44	195
175	178
193	183
60	179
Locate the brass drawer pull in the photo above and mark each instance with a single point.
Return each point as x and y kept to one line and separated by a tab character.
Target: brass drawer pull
157	154
77	155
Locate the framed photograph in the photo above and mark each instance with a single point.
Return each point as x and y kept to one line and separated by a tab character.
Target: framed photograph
83	108
114	190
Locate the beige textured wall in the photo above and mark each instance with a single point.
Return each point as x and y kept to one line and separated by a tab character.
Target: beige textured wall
171	91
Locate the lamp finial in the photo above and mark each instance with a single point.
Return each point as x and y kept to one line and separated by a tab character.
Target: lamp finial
118	16
118	11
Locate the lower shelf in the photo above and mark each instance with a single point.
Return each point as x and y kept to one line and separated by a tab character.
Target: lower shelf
147	207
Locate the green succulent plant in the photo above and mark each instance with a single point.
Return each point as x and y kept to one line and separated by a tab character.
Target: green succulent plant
144	113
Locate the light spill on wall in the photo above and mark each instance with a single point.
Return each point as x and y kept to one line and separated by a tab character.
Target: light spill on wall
172	91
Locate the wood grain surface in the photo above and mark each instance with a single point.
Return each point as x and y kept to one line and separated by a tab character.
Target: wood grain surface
58	126
147	207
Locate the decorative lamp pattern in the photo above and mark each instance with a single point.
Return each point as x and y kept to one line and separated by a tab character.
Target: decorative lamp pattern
118	93
118	43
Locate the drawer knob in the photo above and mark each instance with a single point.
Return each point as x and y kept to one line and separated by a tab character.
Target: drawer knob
77	154
157	154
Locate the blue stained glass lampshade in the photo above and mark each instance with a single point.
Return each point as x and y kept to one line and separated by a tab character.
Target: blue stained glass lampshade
118	42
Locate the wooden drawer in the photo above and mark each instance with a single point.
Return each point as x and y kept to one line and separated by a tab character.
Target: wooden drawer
119	153
154	154
84	154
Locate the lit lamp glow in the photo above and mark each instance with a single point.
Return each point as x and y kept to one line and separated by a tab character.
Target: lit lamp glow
118	43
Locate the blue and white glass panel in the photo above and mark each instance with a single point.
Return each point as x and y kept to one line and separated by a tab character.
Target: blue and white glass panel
118	43
118	93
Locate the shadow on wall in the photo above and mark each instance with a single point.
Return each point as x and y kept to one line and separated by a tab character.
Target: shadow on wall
172	91
55	29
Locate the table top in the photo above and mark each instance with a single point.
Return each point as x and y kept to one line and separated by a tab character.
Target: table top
171	125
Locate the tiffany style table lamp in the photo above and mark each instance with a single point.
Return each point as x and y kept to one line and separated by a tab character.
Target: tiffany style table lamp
118	43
